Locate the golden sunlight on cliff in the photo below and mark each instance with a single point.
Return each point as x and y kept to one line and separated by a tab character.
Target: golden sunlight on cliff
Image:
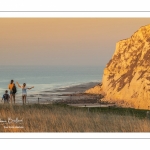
126	79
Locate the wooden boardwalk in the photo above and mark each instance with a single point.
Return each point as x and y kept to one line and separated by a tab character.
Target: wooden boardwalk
92	105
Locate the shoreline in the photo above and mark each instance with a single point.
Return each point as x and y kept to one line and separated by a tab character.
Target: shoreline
63	94
59	94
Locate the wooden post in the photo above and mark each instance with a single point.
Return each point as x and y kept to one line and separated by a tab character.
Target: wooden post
100	102
70	99
88	109
38	100
147	114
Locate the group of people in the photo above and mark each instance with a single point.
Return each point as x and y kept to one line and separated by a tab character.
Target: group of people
13	90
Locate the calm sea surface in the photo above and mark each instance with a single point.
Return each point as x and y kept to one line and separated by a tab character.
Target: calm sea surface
48	77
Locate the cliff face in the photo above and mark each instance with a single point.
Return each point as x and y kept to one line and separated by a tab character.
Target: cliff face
126	78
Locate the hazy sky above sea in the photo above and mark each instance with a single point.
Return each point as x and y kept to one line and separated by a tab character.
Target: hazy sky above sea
63	41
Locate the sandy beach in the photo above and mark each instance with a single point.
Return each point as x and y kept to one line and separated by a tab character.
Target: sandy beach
70	94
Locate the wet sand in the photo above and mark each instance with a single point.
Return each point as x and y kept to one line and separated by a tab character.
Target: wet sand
71	95
63	95
76	88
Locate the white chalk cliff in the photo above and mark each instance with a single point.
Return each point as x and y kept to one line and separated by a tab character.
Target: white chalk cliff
126	78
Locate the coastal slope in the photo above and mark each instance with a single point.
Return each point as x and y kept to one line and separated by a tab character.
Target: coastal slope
126	77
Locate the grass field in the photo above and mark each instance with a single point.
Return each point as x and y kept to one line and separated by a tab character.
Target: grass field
63	118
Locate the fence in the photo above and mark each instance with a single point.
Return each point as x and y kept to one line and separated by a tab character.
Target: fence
78	98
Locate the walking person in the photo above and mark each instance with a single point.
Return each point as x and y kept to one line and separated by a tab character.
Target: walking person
13	91
24	91
6	97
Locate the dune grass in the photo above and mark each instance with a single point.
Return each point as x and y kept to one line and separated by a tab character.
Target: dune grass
62	118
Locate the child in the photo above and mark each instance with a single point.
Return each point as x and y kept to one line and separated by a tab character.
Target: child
6	97
24	91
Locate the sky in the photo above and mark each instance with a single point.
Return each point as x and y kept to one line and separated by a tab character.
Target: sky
63	41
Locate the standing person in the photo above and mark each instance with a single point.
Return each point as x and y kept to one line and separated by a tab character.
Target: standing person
6	97
12	94
24	91
14	90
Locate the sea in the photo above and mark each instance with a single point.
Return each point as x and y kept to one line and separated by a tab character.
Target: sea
48	78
